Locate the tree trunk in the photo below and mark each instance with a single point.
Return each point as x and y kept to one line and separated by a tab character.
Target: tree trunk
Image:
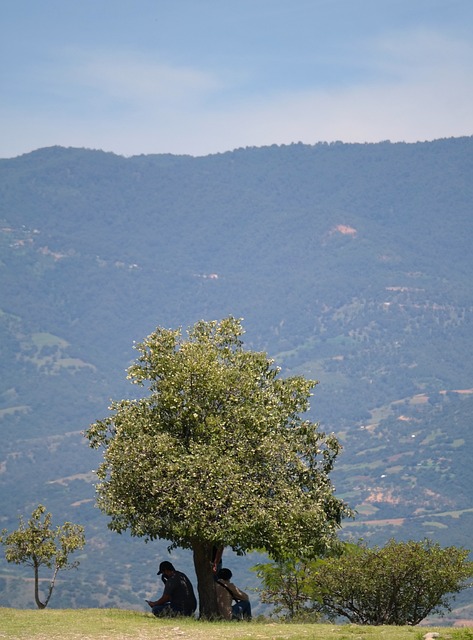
39	604
51	586
205	580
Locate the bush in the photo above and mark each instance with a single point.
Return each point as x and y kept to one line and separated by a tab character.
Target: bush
399	584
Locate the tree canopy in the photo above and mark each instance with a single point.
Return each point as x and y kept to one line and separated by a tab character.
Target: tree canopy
217	452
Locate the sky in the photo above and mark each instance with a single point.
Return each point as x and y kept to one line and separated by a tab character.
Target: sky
200	77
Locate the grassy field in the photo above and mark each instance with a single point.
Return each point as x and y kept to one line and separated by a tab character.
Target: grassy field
115	624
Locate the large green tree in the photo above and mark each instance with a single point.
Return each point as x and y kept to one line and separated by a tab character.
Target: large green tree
216	453
36	543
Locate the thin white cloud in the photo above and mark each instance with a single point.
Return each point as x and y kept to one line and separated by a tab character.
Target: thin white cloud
422	91
418	87
138	81
421	52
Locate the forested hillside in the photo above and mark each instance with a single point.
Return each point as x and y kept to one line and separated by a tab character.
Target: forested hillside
350	264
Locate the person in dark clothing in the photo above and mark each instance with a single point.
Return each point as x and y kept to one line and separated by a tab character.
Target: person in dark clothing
178	596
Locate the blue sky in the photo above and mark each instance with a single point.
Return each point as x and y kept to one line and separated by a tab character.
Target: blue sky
206	76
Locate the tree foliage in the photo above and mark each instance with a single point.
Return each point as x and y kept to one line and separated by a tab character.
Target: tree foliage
399	584
287	587
217	452
36	543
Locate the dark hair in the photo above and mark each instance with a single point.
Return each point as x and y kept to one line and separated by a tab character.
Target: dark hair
224	574
165	566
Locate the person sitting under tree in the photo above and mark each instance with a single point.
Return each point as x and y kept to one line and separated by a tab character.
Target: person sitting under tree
226	593
178	596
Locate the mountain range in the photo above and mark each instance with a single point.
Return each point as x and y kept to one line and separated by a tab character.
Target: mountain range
349	263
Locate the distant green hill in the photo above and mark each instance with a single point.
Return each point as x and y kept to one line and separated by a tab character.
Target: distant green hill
350	263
